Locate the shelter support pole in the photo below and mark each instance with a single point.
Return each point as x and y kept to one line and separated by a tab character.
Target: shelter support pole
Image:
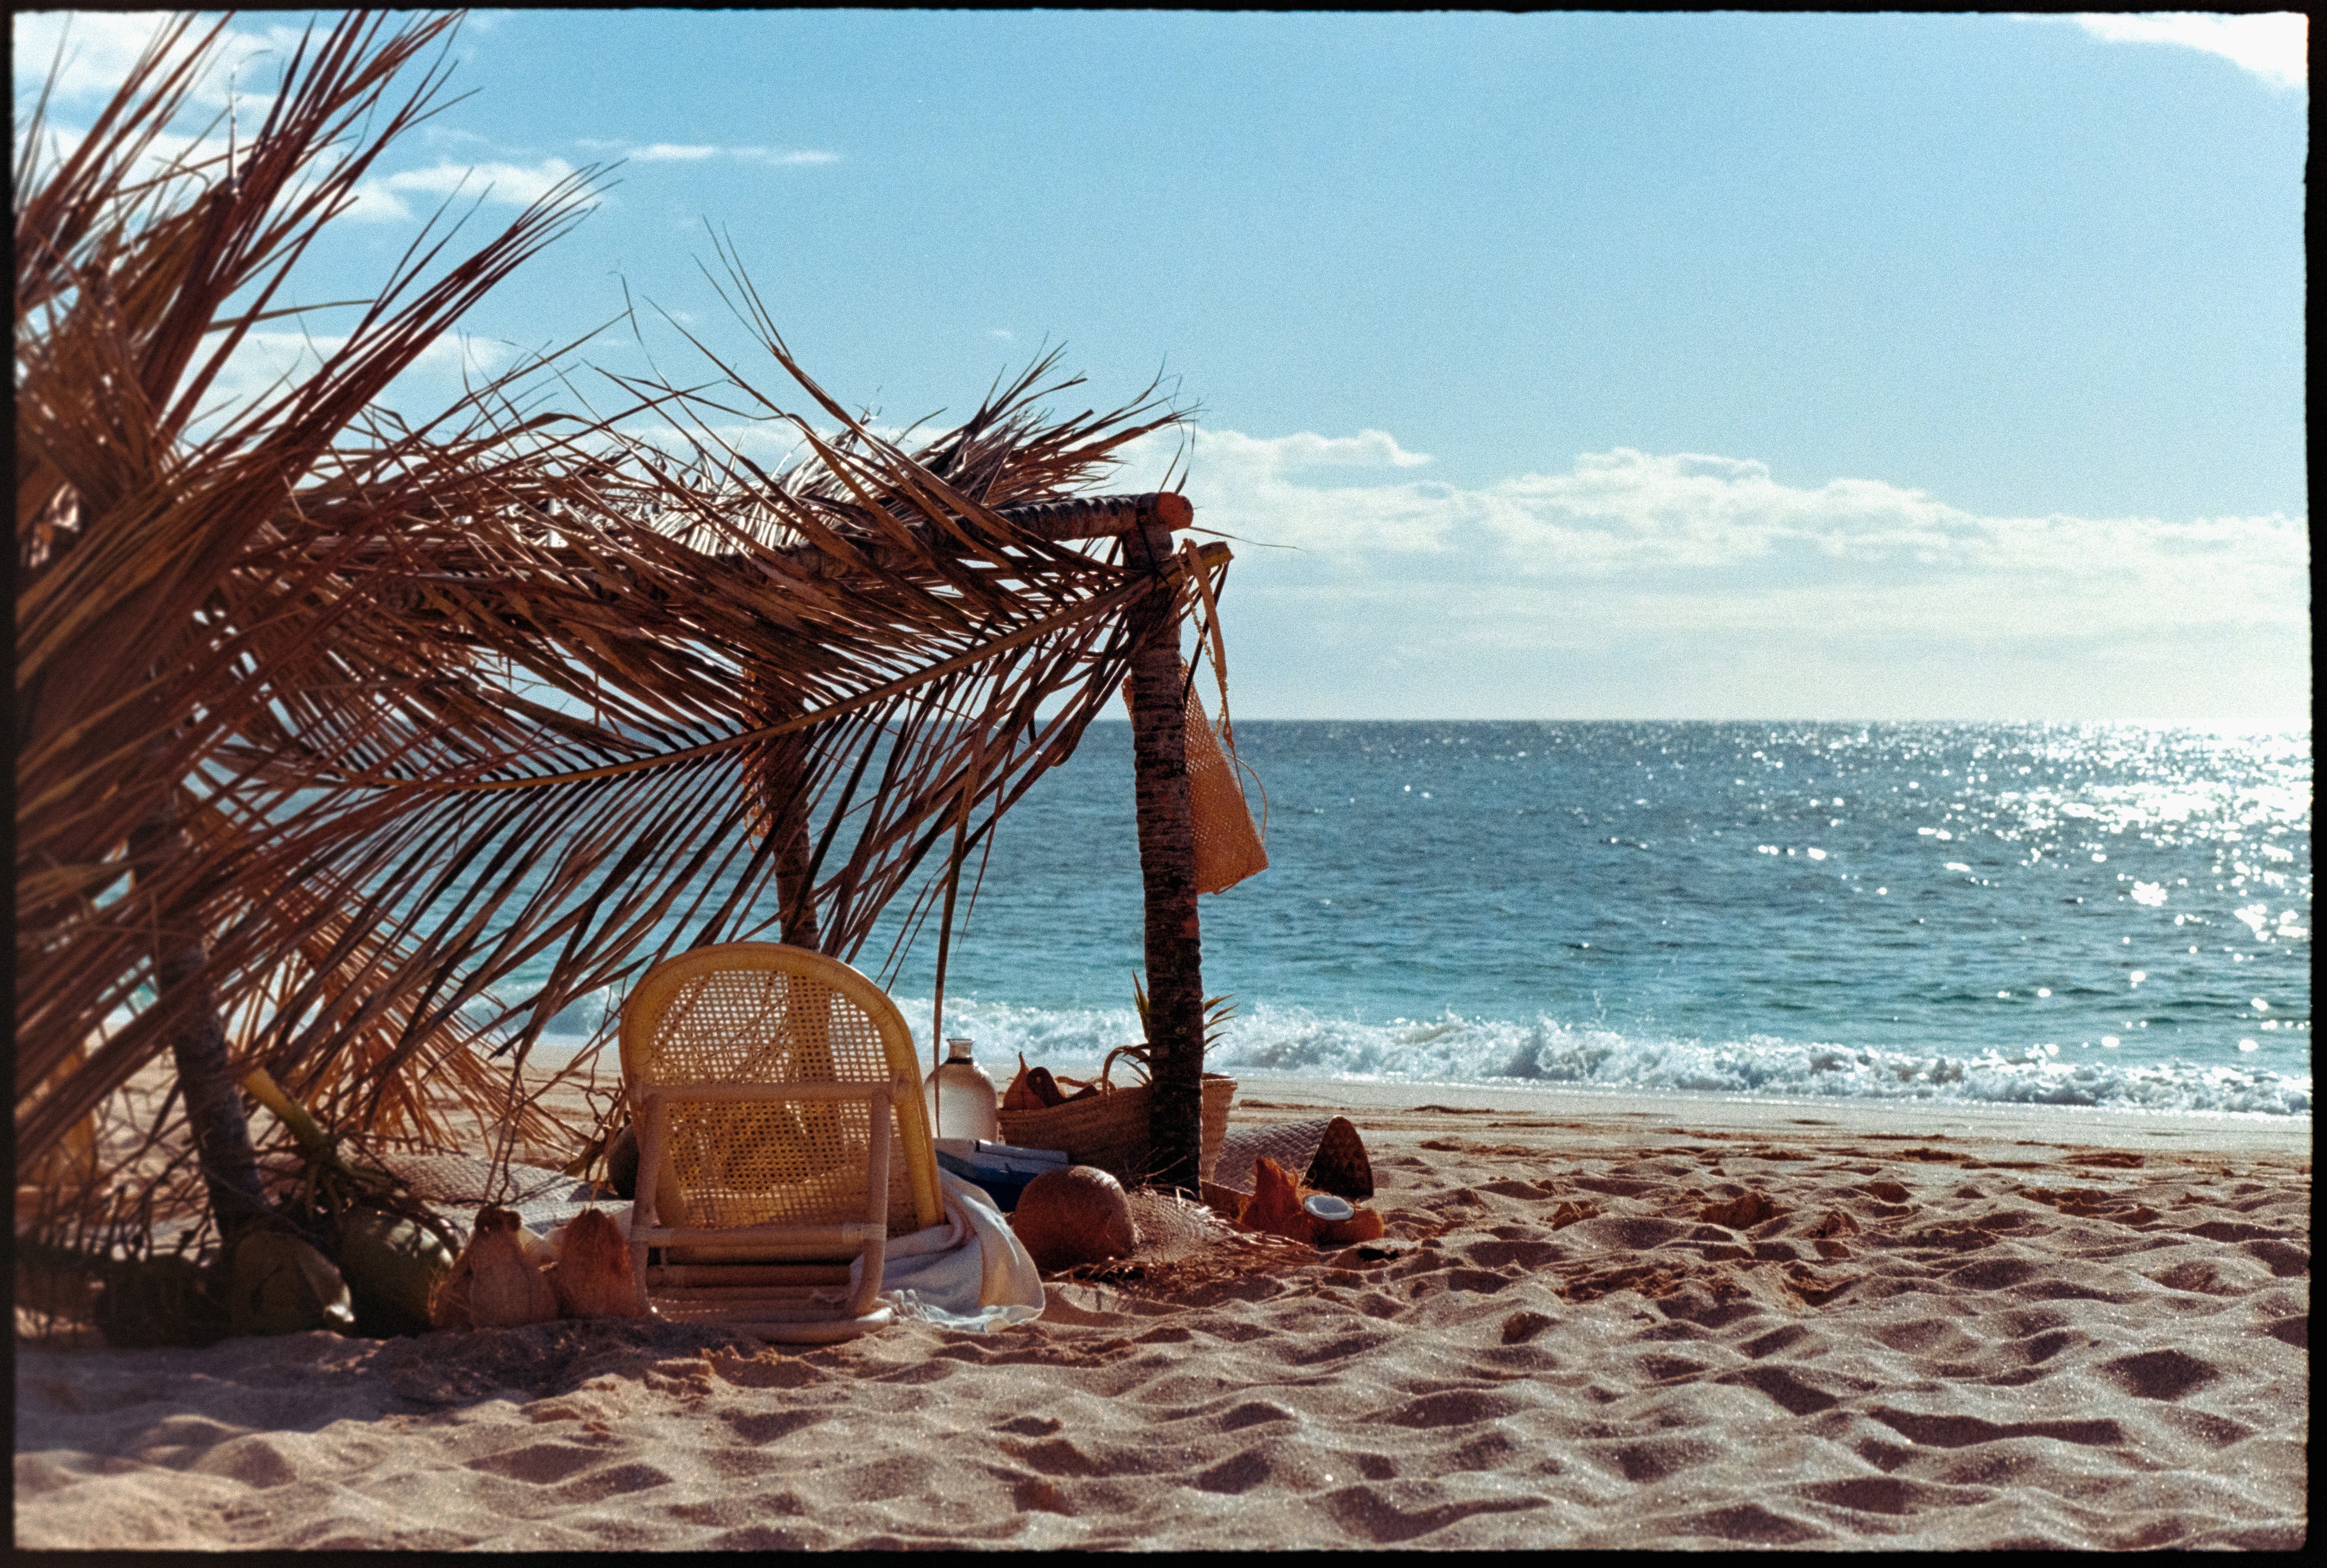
783	771
198	1043
1167	871
787	801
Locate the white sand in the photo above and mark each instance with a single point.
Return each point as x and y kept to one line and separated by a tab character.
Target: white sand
2080	1330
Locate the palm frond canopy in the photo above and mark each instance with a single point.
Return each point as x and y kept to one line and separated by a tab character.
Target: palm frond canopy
329	727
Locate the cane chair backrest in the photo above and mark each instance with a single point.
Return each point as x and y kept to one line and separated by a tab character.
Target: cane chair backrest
741	1013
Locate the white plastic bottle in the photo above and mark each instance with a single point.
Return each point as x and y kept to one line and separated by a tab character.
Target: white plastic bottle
961	1098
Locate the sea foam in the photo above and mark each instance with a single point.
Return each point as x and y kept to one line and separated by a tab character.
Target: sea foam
1303	1043
1295	1042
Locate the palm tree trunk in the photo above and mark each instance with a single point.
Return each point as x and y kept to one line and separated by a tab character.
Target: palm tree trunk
1167	871
198	1042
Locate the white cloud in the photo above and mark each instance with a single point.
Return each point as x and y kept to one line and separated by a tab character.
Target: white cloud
99	50
197	159
771	443
2274	46
505	185
168	155
695	152
268	362
794	159
1624	543
101	47
1365	449
1270	488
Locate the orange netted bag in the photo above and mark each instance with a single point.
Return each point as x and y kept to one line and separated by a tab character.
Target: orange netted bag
1227	847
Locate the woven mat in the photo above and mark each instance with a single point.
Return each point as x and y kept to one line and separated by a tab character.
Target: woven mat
1292	1144
463	1178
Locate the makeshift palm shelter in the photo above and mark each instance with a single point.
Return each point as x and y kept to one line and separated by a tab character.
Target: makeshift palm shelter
328	725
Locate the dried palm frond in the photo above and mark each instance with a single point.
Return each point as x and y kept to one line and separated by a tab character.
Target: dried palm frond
169	601
410	715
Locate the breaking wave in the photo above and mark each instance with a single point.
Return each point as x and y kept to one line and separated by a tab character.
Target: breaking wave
1295	1042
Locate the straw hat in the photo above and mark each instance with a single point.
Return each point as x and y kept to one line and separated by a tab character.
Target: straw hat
1182	1243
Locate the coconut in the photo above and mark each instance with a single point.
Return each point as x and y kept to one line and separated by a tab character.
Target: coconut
1282	1206
593	1276
491	1285
1075	1216
1275	1207
278	1284
391	1263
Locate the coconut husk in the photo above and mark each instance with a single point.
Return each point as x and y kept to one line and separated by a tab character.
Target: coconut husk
278	1284
492	1285
593	1276
391	1263
1079	1215
1275	1207
1280	1207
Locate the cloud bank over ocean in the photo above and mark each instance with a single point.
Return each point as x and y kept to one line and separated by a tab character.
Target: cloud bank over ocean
1706	563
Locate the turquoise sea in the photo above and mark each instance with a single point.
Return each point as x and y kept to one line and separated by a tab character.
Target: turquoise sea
2102	915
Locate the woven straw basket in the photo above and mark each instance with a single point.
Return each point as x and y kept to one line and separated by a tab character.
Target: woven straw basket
1228	848
1109	1129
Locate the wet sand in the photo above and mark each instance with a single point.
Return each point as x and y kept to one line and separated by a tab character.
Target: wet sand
1951	1328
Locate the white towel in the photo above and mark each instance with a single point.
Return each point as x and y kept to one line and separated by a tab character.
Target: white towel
969	1271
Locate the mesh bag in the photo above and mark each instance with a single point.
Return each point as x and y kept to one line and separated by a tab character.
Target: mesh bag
791	1163
1227	847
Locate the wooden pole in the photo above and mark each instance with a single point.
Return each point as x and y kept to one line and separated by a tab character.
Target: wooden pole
198	1043
1051	522
785	798
780	773
1167	867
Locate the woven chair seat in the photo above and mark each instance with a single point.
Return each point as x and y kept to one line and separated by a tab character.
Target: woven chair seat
754	1072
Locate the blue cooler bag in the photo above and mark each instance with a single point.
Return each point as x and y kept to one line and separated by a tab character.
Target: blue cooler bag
1002	1169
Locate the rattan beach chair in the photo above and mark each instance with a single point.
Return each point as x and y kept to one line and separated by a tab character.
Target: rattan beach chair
781	1136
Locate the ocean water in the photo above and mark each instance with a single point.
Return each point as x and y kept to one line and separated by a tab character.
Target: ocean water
2112	916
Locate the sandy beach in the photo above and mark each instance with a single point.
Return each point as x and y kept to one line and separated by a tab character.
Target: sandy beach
1923	1327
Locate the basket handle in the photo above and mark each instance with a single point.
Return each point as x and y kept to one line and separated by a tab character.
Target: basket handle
1105	1081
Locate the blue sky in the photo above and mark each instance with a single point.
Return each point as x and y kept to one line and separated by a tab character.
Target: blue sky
1588	366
